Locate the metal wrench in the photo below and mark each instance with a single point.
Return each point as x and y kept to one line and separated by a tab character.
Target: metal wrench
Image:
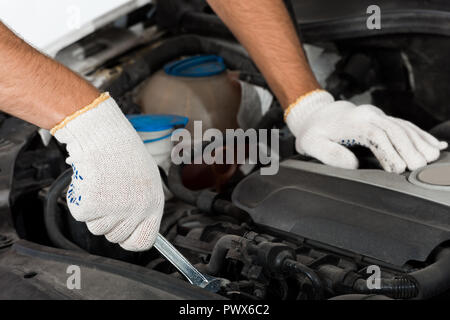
194	276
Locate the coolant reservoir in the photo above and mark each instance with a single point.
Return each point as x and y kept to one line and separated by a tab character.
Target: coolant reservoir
196	87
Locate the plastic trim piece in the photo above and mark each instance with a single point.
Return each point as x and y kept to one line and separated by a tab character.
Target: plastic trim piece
379	178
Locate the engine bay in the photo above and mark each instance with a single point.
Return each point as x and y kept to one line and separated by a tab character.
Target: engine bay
310	232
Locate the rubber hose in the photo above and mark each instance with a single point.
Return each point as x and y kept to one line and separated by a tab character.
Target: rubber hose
298	267
171	49
220	251
434	279
51	212
422	284
401	287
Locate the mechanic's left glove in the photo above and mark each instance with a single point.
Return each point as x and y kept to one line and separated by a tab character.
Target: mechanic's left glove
324	128
116	187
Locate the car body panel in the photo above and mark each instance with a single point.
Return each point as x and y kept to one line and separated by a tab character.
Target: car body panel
53	24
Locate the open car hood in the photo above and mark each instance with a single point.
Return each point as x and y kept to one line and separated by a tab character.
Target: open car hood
53	24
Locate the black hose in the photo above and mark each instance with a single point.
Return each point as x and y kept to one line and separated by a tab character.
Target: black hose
226	242
186	45
422	284
401	287
52	212
219	252
295	266
434	279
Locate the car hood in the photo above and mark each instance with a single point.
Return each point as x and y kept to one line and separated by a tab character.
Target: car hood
53	24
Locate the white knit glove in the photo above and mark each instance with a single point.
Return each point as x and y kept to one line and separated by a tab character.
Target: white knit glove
116	187
323	127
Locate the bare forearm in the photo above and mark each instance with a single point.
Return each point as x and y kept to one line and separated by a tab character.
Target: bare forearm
265	29
36	88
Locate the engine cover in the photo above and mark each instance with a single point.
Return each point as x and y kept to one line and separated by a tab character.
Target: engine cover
373	213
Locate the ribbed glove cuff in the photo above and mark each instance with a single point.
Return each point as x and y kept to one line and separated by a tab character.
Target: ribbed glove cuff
96	127
296	114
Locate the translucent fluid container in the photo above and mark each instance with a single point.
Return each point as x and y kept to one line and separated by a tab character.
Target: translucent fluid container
197	88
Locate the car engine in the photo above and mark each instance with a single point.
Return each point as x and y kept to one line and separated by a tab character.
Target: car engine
310	232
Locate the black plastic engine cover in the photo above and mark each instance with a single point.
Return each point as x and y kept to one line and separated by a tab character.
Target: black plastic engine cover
368	212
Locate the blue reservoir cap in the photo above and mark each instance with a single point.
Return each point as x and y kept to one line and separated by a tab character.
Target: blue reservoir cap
157	122
195	67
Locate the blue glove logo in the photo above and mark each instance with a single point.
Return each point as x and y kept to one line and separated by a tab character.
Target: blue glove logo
72	194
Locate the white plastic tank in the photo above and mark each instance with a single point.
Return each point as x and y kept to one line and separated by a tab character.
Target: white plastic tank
196	87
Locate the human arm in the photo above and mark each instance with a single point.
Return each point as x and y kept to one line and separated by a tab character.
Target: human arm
265	29
116	188
36	88
322	127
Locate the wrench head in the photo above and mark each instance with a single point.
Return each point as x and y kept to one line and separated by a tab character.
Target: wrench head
212	285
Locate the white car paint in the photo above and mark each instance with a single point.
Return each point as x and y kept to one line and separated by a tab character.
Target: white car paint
50	25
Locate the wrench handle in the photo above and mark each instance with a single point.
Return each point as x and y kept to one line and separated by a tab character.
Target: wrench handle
169	252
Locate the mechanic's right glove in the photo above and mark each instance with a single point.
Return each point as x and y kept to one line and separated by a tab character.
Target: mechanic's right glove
324	127
116	187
